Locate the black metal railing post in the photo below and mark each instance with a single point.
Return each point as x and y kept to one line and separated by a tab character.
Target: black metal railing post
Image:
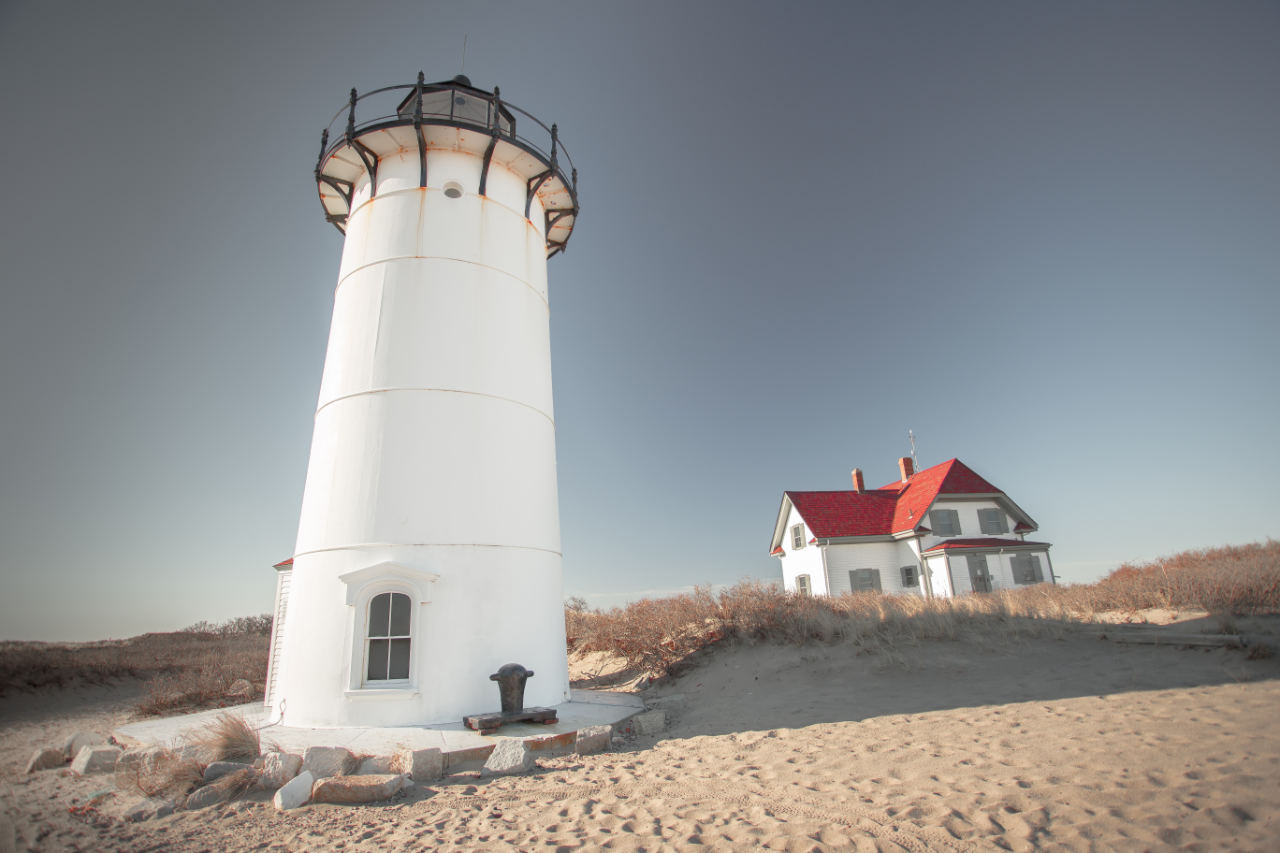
324	145
351	118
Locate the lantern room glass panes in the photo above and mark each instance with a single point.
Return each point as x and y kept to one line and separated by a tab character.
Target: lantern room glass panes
387	652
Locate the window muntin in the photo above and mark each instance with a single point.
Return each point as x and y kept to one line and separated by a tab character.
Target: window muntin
910	575
387	637
944	522
797	537
993	521
864	580
802	585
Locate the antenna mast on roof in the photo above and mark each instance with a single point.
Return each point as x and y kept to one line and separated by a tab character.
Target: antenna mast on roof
915	463
463	69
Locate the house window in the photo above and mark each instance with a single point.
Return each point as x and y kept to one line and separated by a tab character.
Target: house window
864	580
797	537
910	575
802	585
387	638
944	522
1026	568
993	521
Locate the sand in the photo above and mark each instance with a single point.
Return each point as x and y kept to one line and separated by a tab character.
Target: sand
1065	742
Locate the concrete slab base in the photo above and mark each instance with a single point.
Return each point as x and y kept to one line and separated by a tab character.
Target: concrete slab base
462	748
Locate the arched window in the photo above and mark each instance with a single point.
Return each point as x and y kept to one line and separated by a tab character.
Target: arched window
387	638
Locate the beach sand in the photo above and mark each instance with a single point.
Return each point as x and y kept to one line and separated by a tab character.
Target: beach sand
1061	741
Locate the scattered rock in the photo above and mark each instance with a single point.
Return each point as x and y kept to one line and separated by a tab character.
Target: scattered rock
379	765
240	689
421	765
357	789
279	767
78	741
326	761
672	702
95	759
510	755
209	795
650	722
148	808
296	792
218	769
46	758
592	739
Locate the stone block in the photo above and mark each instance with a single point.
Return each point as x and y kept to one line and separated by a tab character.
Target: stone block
95	759
209	795
593	739
78	741
650	722
421	765
46	758
148	808
376	765
326	761
218	769
296	792
510	755
279	767
350	790
560	743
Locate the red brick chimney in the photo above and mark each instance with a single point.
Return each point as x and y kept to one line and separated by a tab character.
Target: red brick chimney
857	481
907	467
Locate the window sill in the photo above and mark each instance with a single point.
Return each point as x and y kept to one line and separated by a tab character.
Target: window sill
406	692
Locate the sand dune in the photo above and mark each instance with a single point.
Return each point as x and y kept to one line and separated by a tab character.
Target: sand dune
995	742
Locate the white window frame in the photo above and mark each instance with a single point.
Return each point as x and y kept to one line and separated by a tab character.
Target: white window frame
803	585
362	586
797	537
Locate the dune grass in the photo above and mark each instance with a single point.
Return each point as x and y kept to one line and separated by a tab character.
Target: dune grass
655	635
194	669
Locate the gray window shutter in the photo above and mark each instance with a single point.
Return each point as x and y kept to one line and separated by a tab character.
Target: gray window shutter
1037	576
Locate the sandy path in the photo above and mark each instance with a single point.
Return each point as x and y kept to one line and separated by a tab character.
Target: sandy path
1044	744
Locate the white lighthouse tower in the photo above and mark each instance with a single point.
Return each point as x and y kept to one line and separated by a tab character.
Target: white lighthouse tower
428	549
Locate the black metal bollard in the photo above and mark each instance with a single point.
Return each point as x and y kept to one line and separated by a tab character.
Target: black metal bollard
511	678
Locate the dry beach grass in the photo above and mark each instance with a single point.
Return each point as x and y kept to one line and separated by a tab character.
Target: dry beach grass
994	722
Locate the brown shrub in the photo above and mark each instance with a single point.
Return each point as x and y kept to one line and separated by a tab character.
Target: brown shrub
228	738
162	772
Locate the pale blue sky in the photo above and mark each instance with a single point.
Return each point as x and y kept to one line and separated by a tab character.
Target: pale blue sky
1044	236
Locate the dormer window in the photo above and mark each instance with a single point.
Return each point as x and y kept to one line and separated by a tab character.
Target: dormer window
797	537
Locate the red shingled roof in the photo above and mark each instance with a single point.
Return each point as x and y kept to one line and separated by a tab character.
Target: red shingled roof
983	542
895	508
283	563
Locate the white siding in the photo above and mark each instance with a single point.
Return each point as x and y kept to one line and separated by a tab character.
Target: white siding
802	561
887	557
283	581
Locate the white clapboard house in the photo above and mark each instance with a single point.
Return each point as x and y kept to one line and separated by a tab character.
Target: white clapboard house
943	531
